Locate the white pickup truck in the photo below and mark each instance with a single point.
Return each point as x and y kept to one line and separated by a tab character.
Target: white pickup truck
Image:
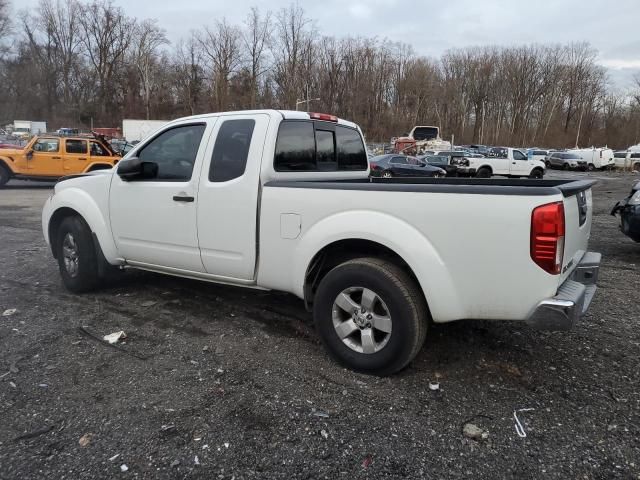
283	200
507	162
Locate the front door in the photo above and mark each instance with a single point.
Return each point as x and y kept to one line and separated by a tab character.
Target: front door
76	156
228	196
46	159
154	221
520	164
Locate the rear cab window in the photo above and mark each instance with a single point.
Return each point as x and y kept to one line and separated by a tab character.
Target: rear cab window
308	146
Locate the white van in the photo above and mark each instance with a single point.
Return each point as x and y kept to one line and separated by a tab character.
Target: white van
596	157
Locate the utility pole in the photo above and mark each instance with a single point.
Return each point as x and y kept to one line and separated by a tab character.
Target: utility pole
307	100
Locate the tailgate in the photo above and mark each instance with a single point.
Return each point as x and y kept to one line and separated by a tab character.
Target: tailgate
578	209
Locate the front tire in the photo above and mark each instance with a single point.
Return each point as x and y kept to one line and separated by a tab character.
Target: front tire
387	174
77	257
370	315
591	167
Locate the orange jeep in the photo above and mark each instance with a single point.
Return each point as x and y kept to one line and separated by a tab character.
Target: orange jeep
49	157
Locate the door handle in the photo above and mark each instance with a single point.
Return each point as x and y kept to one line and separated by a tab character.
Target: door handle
513	163
81	158
55	158
183	198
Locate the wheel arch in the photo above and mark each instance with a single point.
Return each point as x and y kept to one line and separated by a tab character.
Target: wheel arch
76	202
357	234
98	166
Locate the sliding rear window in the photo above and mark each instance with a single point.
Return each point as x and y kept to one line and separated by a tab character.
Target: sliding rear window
307	146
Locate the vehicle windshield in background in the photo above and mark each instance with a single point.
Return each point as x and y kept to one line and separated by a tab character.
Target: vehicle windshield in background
425	133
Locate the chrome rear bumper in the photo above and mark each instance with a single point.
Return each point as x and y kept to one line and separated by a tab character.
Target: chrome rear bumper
572	300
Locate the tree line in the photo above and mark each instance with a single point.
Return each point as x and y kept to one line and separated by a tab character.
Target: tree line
76	63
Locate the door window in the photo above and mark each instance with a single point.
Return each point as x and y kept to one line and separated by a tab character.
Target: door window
518	155
231	150
174	151
352	154
399	160
295	147
47	145
76	146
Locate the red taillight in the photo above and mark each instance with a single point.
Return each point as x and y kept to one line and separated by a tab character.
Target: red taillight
324	116
374	166
547	237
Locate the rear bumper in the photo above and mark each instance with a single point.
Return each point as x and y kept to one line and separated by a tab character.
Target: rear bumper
572	301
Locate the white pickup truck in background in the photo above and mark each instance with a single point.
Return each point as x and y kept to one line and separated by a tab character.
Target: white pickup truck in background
282	200
508	162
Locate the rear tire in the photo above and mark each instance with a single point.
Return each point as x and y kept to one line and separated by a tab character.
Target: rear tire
536	173
5	175
484	172
591	167
77	256
398	308
387	174
636	167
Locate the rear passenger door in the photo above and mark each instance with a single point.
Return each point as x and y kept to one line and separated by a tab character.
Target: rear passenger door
228	196
75	156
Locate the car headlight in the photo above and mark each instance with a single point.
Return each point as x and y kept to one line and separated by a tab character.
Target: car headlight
635	199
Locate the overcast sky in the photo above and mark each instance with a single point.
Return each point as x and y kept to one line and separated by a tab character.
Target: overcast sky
431	27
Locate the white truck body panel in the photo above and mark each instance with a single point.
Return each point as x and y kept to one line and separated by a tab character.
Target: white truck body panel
469	249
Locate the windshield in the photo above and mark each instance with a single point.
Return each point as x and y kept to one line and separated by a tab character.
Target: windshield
425	133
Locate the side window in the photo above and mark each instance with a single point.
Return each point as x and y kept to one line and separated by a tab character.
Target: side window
231	150
351	152
399	160
518	155
76	146
174	151
295	147
635	155
98	150
47	145
325	150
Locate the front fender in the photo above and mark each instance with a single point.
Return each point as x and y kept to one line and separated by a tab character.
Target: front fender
85	205
397	235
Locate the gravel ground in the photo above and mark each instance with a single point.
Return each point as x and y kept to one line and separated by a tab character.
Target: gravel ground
219	382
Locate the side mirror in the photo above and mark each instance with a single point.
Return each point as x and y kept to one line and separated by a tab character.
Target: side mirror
29	154
135	169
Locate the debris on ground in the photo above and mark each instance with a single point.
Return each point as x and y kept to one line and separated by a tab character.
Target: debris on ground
9	312
148	303
433	386
114	457
196	460
168	428
123	468
368	460
35	433
473	432
85	439
320	414
519	428
324	434
175	463
115	337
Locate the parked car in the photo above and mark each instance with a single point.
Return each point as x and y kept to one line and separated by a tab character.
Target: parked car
537	154
629	211
596	158
628	159
394	165
505	161
566	161
49	157
375	261
441	161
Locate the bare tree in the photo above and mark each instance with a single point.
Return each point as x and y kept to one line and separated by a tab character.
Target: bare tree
147	40
221	48
255	38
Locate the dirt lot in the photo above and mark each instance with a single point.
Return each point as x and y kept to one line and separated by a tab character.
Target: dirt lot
218	382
